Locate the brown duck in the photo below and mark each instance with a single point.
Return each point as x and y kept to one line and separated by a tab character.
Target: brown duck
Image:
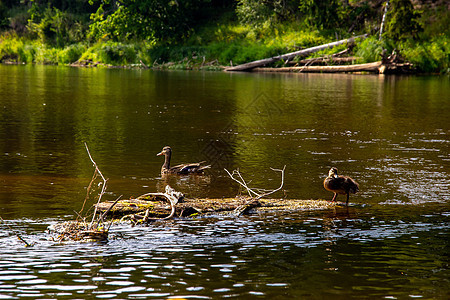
343	185
194	168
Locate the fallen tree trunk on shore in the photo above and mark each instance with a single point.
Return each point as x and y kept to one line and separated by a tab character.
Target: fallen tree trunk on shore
325	60
374	67
287	56
370	67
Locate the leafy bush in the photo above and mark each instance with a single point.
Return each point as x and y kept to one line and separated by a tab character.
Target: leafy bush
71	54
154	20
429	57
370	49
55	27
15	49
323	14
47	56
112	53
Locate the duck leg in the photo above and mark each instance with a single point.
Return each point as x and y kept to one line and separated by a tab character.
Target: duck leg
334	197
348	196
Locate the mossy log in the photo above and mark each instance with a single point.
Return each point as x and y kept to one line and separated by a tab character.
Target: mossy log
154	208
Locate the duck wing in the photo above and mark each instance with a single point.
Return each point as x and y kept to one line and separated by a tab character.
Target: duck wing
189	168
341	185
349	185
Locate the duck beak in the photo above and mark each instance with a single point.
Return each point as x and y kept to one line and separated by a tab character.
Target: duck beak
160	153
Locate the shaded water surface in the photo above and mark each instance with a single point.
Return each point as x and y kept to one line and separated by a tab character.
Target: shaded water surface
389	133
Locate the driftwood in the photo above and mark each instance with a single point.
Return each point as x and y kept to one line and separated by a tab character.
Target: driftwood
288	56
325	60
370	67
144	211
375	67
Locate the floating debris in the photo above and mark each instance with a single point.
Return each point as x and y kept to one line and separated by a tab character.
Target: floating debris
77	231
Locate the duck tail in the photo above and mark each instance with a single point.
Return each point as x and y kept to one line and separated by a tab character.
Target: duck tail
355	187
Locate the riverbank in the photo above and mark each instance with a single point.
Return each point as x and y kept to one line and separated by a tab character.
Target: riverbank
208	35
227	47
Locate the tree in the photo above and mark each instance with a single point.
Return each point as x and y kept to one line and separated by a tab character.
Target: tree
402	20
155	20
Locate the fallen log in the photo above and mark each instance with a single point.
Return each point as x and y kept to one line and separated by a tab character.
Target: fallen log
157	210
370	67
335	60
374	67
287	56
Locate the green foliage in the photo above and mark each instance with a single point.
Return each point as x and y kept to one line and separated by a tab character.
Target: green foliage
436	21
55	27
325	14
192	32
14	49
17	20
47	56
71	53
402	20
432	56
370	49
262	14
158	20
4	15
112	53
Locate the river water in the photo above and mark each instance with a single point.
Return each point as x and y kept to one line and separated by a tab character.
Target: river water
389	133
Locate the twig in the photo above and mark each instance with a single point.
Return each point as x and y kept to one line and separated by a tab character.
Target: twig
94	176
103	187
18	235
255	192
109	208
281	184
241	181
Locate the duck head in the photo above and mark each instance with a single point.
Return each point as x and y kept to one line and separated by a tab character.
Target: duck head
166	151
333	172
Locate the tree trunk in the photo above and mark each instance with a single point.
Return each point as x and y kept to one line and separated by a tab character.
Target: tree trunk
263	62
369	67
383	20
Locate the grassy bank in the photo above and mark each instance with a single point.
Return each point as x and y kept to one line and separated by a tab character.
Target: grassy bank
218	46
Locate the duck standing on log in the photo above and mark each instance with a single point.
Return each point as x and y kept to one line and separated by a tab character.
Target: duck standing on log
183	169
343	185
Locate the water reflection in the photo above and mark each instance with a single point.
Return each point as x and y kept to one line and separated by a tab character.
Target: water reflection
389	133
263	254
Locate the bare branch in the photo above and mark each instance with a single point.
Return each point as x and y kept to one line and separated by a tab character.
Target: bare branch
256	193
241	181
18	235
281	185
103	185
